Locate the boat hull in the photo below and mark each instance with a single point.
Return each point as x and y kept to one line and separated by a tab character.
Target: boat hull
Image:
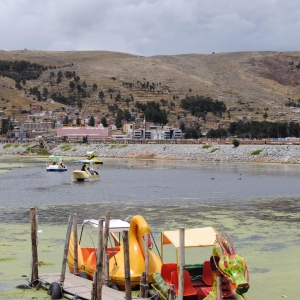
57	169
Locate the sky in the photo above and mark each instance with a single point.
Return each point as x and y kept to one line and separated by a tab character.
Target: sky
150	27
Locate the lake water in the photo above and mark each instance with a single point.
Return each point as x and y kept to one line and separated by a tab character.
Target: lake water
258	204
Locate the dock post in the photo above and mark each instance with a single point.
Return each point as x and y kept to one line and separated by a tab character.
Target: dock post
34	272
106	275
67	242
75	247
127	266
142	285
99	279
219	286
146	265
106	259
181	263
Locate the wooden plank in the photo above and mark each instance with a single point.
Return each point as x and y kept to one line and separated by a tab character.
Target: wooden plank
81	287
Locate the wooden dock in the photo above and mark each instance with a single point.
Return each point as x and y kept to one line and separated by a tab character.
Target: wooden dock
75	286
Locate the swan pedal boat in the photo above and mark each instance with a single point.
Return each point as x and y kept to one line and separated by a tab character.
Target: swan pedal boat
200	278
92	156
137	228
55	164
88	174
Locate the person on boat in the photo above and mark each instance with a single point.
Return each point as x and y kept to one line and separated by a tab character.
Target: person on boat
83	167
90	171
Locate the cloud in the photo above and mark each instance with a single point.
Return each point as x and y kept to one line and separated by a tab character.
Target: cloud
150	27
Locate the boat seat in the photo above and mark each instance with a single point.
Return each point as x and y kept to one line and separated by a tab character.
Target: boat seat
188	289
207	274
166	270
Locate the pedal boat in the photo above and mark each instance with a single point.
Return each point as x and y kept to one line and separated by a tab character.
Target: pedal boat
85	174
55	164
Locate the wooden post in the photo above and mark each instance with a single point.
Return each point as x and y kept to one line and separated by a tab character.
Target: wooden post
35	263
106	275
99	281
94	287
171	292
105	258
67	242
75	244
146	265
219	286
181	263
126	266
142	285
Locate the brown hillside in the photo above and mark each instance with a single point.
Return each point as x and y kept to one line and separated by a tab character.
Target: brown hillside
250	83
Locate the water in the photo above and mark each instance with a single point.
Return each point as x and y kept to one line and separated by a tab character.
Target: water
257	204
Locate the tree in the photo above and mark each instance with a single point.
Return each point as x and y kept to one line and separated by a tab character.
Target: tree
119	118
94	87
182	126
91	121
104	122
66	120
72	85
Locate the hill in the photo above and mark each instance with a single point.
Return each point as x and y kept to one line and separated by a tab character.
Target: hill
253	84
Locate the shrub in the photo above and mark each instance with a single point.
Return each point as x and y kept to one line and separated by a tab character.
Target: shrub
236	143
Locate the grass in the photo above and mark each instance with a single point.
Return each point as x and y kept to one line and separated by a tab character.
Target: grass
118	146
6	146
65	147
206	146
214	150
16	145
256	152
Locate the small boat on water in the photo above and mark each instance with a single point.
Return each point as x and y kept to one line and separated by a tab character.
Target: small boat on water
200	278
86	173
55	163
91	155
137	228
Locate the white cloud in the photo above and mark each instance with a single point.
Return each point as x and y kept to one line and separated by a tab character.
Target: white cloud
150	27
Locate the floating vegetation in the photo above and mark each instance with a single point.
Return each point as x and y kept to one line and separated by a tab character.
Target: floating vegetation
5	259
42	263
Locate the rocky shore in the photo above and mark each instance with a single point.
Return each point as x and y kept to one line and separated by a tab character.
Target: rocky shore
286	154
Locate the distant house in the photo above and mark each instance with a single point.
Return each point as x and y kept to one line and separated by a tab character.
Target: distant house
80	132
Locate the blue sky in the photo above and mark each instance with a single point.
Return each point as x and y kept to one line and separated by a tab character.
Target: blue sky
150	27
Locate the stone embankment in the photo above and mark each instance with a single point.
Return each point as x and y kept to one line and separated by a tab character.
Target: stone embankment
287	154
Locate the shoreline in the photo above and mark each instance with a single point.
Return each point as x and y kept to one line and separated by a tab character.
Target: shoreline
282	154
